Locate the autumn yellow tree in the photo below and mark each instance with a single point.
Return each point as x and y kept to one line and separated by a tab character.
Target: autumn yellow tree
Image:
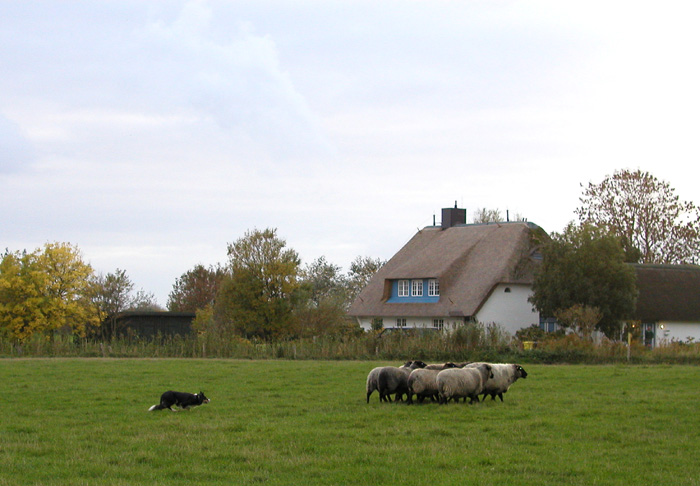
45	291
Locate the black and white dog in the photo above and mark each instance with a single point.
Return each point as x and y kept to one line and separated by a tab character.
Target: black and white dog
179	399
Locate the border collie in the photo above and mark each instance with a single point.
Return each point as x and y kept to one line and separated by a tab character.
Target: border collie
179	399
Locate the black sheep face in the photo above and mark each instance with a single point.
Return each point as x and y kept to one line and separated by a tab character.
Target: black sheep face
523	373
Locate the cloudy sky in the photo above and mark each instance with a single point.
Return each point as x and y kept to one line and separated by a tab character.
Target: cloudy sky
151	134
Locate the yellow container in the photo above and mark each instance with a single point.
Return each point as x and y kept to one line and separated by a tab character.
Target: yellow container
528	345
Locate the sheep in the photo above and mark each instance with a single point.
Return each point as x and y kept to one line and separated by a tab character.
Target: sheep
421	382
456	383
395	380
440	366
504	375
373	376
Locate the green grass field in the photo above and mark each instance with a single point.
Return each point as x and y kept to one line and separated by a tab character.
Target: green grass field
85	422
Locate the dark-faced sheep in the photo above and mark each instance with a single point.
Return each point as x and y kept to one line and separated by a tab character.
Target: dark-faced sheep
373	378
456	383
422	382
504	375
392	380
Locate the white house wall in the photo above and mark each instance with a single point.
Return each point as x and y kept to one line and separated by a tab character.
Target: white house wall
668	332
508	307
510	310
411	323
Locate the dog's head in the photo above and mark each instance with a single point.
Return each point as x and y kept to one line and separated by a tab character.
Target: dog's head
203	398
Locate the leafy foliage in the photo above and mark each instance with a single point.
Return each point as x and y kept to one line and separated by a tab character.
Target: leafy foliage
195	289
586	266
258	296
654	224
44	291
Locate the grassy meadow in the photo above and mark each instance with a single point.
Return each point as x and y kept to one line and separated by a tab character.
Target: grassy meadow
85	422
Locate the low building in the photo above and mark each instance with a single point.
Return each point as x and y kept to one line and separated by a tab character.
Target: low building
455	273
668	305
149	324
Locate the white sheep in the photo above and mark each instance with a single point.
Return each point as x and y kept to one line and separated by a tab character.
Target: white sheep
373	378
504	375
456	383
392	380
422	382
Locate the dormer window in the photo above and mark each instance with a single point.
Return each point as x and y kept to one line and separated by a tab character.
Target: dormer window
413	291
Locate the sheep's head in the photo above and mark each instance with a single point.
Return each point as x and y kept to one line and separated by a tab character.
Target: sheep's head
418	364
520	370
450	365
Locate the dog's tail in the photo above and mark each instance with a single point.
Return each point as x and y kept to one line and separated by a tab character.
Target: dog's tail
156	407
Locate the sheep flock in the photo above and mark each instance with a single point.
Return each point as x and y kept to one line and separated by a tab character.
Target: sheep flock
443	382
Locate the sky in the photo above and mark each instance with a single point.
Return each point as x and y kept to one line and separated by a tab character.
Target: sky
152	134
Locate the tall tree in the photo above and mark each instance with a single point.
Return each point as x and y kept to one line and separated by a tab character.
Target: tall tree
111	295
654	224
45	291
195	289
259	296
362	269
325	299
325	281
585	266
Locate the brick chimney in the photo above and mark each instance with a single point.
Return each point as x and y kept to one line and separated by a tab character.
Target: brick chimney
453	216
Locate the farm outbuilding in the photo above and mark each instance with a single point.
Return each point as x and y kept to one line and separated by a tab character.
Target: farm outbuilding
149	324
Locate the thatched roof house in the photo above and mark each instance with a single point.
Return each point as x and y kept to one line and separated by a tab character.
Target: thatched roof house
668	304
456	272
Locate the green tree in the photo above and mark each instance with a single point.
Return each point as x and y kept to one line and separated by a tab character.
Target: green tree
113	294
324	301
45	291
195	289
654	224
259	296
325	281
586	266
362	269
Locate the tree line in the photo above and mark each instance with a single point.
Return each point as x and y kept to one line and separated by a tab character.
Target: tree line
264	292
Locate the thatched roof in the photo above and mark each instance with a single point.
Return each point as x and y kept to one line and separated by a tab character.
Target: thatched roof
668	293
468	260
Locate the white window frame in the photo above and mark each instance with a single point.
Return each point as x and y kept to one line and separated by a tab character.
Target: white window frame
433	287
403	288
417	288
400	322
439	324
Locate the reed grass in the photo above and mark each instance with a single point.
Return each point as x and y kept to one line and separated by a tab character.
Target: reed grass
474	343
